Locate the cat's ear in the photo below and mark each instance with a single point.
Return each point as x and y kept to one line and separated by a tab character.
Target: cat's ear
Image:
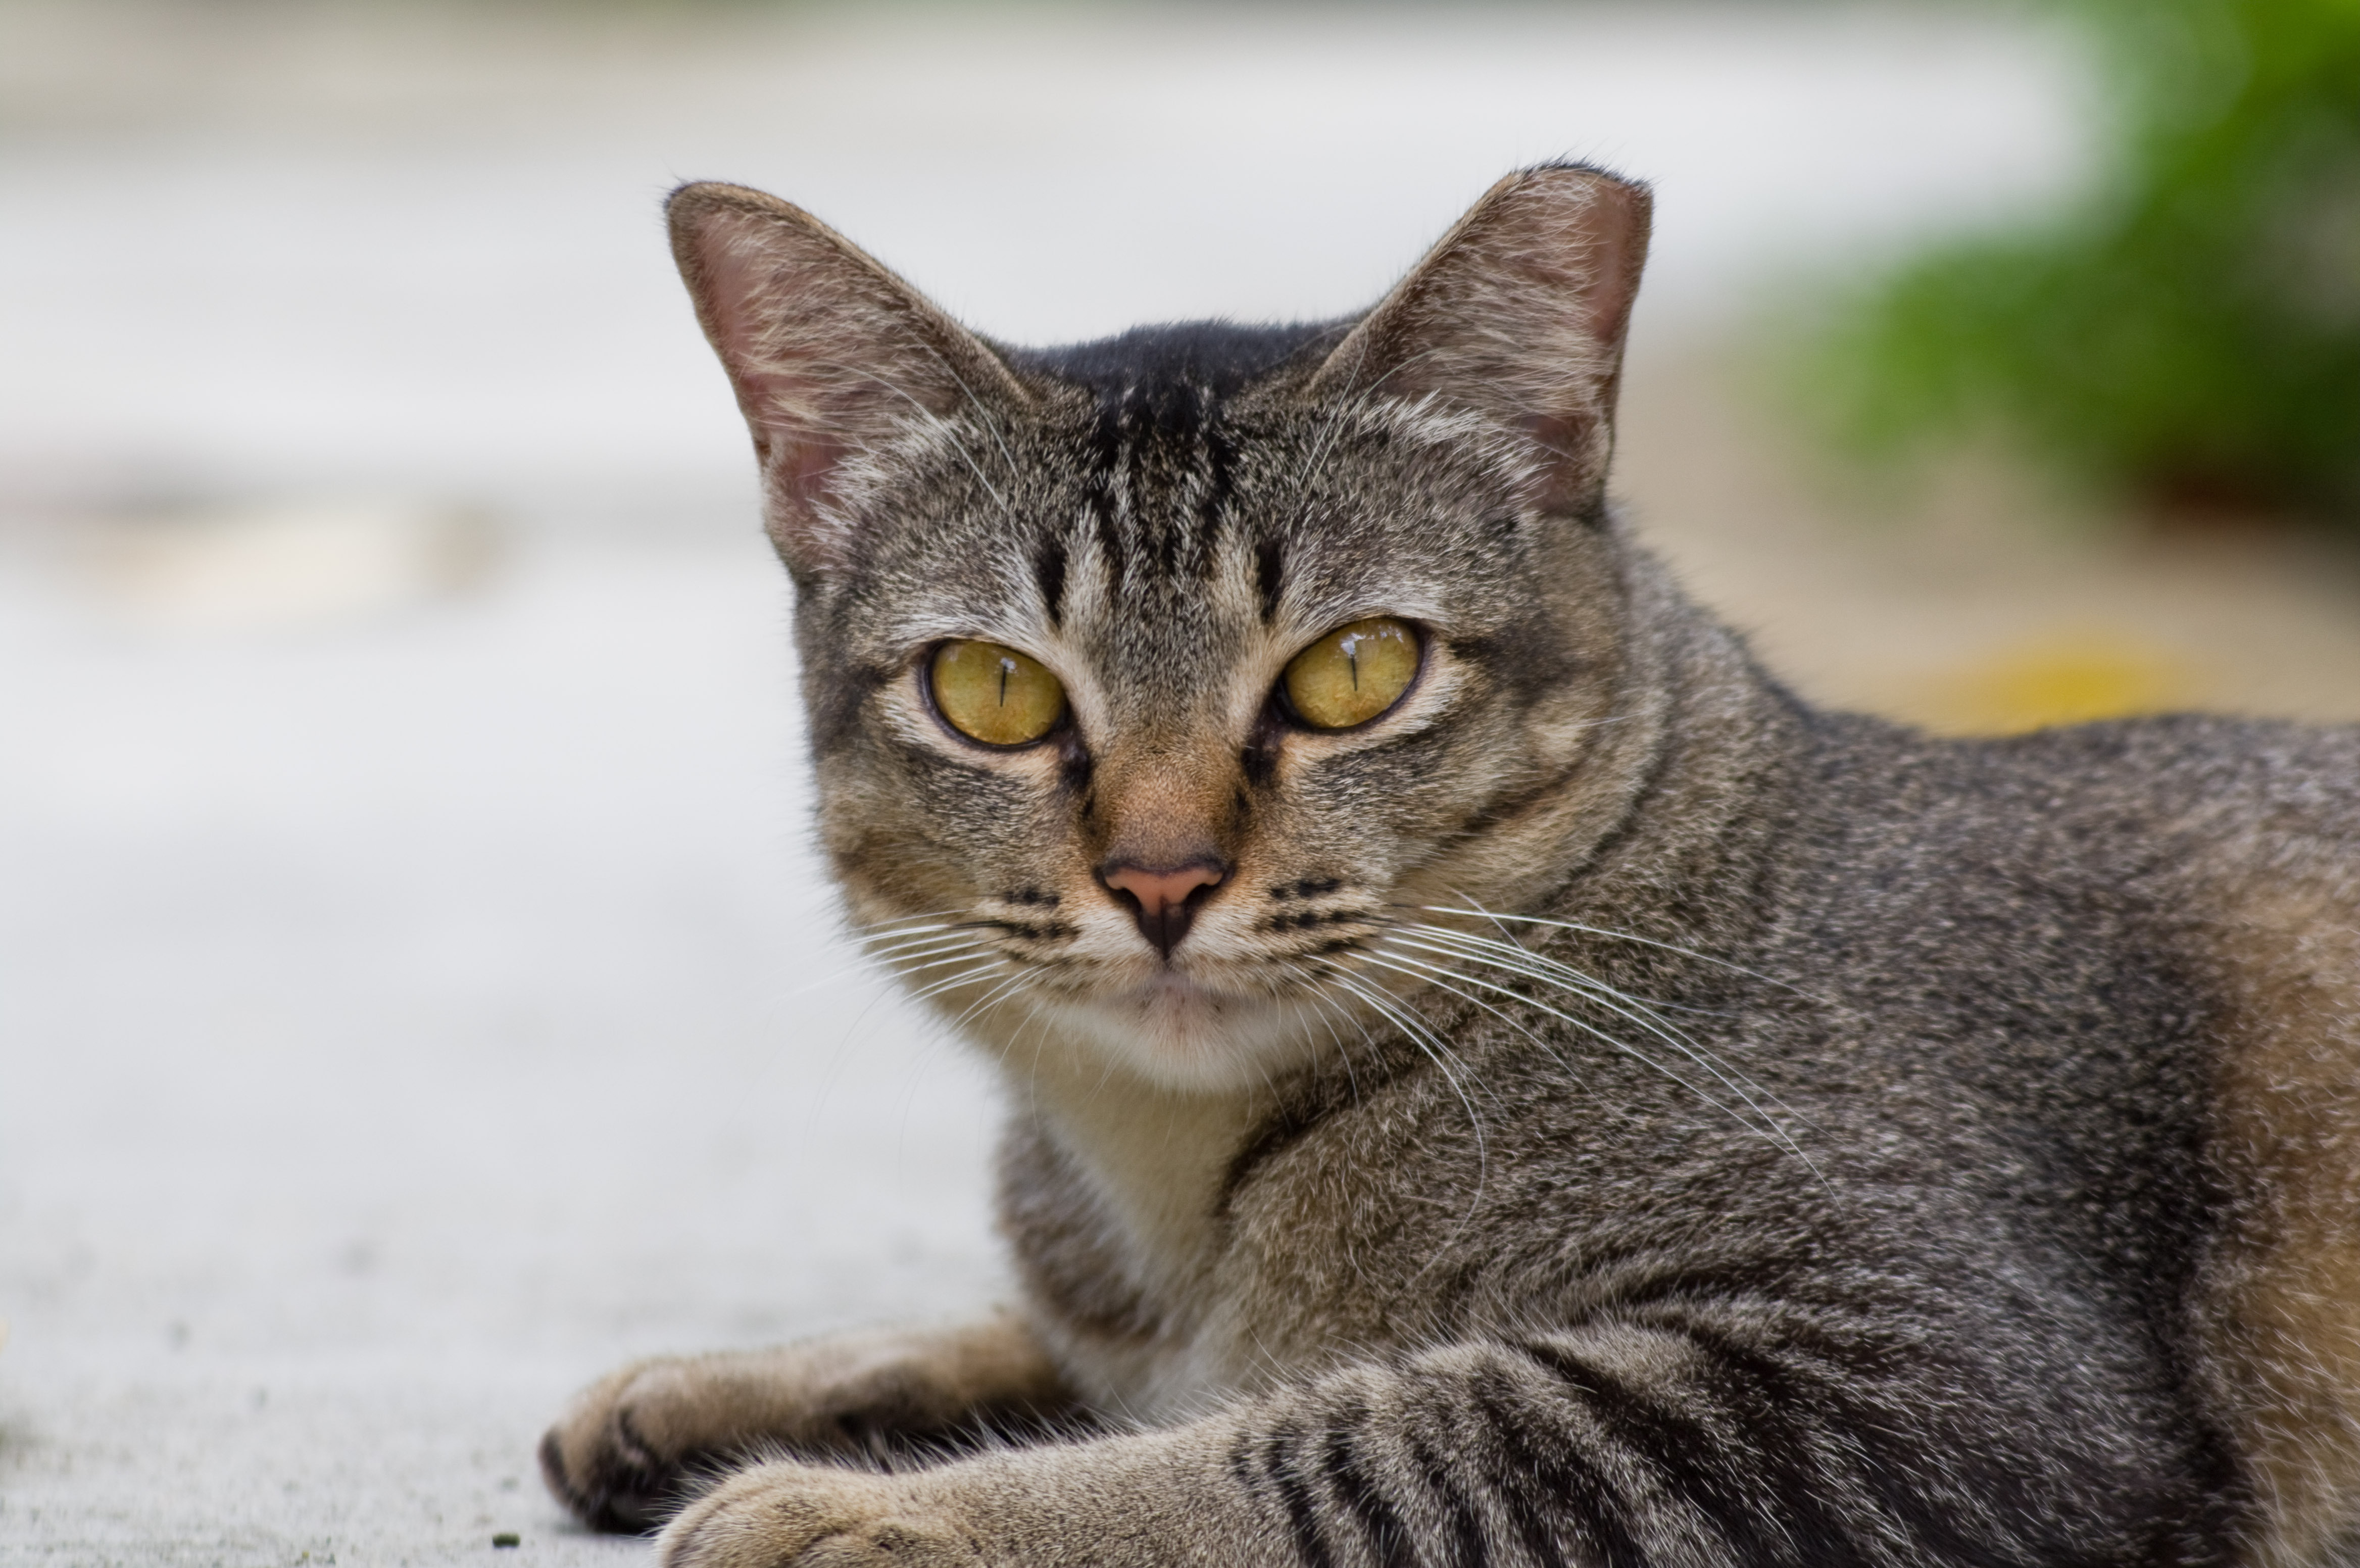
831	355
1518	313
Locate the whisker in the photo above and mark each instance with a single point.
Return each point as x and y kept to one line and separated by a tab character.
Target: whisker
925	946
1548	970
964	977
1478	912
1558	972
1769	1126
953	957
1436	975
1430	974
1419	1031
1540	967
889	936
1511	941
908	929
1768	1130
907	933
1420	1034
1327	1011
848	976
989	998
862	931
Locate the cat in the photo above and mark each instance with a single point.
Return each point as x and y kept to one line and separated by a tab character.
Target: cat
1494	1077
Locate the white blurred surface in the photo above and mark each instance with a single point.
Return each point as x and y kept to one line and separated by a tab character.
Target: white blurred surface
402	1024
406	1014
433	250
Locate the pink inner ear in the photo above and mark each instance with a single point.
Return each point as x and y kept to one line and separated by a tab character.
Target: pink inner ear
1617	233
734	274
805	469
832	358
761	320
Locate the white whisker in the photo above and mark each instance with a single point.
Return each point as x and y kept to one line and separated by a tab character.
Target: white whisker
952	958
1769	1126
1421	1035
1328	1010
1431	974
924	947
1479	913
1014	981
964	977
1548	972
1522	960
1436	975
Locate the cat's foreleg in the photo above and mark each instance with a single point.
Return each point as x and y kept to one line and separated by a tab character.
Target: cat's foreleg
633	1446
1613	1448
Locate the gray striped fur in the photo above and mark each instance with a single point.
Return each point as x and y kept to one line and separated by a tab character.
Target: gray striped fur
1610	1113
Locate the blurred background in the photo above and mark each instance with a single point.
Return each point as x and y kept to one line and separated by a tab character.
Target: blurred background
416	992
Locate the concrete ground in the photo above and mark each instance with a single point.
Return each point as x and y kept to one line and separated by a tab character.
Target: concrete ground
415	992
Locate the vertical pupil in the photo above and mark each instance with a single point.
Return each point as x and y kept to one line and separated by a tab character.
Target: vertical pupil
1007	668
1353	660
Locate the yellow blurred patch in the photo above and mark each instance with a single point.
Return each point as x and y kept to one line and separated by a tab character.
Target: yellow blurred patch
2061	681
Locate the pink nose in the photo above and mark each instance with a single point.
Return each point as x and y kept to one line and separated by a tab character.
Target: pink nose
1157	890
1164	901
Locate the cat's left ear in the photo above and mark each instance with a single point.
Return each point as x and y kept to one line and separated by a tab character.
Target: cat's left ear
831	355
1518	313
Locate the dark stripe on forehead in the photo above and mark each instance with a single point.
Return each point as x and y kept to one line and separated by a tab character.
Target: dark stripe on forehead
1220	489
1269	575
1104	474
1221	357
1049	570
1159	435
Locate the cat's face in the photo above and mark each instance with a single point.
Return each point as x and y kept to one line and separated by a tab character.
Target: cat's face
1094	759
1165	579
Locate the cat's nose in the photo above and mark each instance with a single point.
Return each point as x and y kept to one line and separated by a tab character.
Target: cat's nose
1163	900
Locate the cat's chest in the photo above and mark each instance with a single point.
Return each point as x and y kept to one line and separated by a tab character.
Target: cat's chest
1119	1244
1182	1260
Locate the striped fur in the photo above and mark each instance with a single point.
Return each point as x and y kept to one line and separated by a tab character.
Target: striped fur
1609	1115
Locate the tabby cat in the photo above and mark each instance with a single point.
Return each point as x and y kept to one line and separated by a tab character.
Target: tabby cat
1495	1078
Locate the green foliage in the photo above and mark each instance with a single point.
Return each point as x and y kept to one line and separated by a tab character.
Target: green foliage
2189	335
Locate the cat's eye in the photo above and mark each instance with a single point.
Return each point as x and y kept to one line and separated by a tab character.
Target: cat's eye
1354	674
995	694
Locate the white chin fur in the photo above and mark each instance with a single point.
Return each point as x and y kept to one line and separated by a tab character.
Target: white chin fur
1180	1035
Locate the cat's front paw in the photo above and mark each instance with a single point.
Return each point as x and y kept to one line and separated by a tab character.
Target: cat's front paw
632	1448
804	1515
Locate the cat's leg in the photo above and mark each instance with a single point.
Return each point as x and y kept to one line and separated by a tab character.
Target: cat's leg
635	1445
1627	1447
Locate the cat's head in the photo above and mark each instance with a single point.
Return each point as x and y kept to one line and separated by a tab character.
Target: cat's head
1152	682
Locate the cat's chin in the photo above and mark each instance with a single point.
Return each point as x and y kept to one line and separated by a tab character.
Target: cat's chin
1181	1034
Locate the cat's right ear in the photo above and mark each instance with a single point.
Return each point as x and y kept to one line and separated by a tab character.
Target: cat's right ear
831	355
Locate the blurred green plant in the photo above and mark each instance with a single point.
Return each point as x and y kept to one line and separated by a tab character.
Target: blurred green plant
2189	336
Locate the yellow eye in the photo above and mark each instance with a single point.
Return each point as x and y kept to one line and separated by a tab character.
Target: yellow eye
995	694
1354	674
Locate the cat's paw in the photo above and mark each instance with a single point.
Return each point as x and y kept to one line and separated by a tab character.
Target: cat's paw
803	1515
633	1447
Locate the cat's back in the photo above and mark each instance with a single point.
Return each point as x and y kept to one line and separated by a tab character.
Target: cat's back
2123	800
2219	848
2178	898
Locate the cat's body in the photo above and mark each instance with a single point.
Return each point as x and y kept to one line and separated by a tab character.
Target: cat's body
1599	1111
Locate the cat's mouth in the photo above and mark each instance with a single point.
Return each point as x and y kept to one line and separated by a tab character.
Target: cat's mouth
1173	998
1186	1031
